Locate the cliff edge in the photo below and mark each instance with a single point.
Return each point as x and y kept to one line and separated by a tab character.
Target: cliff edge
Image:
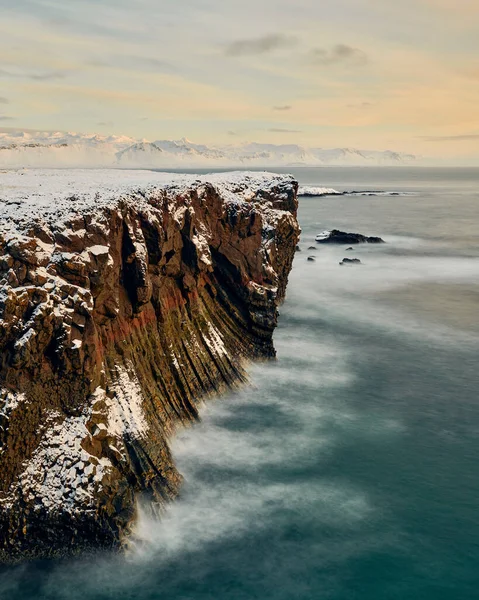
125	298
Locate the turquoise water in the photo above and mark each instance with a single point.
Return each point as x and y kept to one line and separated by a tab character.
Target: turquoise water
348	469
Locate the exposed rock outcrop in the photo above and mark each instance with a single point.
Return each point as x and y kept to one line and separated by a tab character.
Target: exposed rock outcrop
342	237
125	298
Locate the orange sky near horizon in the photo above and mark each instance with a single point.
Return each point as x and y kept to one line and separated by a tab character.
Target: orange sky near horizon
373	74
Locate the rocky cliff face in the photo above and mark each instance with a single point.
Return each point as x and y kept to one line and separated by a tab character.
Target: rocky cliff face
125	298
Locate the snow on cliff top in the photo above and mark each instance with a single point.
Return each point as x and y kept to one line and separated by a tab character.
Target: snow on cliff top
56	193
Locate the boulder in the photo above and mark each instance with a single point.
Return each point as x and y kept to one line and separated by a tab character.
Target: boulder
341	237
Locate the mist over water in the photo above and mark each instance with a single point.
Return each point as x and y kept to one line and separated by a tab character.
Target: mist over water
348	468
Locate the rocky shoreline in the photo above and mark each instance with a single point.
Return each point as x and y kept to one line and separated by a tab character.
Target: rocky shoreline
125	298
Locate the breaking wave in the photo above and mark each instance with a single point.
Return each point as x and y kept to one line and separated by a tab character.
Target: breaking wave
312	191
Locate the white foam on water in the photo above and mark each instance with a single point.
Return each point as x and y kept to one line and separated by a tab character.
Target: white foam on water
307	190
229	470
232	509
353	293
318	191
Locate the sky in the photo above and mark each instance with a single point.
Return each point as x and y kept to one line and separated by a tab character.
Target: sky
372	74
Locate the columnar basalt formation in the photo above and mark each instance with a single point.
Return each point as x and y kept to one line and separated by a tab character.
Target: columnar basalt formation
125	298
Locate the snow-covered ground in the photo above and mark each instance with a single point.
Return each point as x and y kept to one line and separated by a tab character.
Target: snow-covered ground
60	149
26	194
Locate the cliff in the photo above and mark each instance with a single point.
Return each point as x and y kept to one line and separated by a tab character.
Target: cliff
125	299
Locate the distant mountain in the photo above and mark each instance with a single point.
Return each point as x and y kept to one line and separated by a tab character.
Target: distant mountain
59	149
146	153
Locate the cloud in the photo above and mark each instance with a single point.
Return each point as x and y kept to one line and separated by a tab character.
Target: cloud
16	73
94	62
4	100
457	7
285	107
47	76
105	124
360	105
20	132
281	130
261	45
133	63
450	138
5	118
232	133
110	21
339	54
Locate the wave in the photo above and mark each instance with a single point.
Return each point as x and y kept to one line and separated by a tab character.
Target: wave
311	191
322	236
318	191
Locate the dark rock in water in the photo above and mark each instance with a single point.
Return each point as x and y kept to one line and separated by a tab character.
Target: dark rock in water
350	248
311	258
350	261
312	248
341	237
298	249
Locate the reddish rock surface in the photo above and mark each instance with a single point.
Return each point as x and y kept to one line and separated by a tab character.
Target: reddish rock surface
121	306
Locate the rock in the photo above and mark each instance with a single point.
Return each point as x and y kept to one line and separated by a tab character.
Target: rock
350	261
311	258
118	313
298	249
312	248
341	237
350	248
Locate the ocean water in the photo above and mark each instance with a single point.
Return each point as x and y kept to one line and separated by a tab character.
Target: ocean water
348	469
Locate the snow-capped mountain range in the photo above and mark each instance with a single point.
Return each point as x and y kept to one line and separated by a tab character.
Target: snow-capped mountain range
59	149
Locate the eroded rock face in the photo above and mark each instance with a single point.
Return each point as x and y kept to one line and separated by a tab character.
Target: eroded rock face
124	299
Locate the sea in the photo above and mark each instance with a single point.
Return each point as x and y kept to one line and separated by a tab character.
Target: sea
348	469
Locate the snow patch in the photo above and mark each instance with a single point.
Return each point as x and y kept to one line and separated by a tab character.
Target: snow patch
46	193
214	341
9	401
125	409
99	250
203	249
61	476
